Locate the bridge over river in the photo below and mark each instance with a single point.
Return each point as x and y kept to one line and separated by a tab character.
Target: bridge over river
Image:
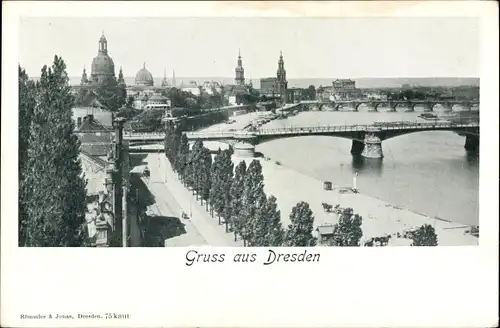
366	139
392	105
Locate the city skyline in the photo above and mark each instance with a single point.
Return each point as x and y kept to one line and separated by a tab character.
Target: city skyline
371	48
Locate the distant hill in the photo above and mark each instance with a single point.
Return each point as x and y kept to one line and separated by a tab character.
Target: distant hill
304	83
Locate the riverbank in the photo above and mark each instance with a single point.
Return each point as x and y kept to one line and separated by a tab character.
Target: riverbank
379	217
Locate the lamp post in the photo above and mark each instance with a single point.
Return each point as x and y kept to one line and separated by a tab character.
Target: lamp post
124	215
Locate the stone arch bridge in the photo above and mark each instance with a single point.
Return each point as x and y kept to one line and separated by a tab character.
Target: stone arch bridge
366	139
408	105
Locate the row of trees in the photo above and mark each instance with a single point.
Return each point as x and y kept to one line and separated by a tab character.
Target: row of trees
236	195
52	189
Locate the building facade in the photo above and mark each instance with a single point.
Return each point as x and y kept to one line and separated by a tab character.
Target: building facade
105	164
345	89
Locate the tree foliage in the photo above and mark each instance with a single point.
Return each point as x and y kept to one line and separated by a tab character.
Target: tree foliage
27	102
252	198
226	180
424	236
275	233
54	213
347	232
300	230
236	192
216	186
110	95
309	93
205	164
182	161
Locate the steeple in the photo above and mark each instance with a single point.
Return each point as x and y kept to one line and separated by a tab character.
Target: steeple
84	79
164	82
103	44
173	77
121	80
281	75
239	71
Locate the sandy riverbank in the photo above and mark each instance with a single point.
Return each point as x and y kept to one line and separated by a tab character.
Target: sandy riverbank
379	217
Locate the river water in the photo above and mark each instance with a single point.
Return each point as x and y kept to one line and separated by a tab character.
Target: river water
427	172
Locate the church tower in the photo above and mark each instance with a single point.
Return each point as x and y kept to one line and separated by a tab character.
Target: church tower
164	82
239	72
121	79
282	82
84	80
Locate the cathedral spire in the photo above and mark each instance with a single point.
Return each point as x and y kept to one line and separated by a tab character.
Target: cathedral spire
84	79
164	83
239	71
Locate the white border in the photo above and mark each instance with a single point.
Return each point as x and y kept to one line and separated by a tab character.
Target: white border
444	286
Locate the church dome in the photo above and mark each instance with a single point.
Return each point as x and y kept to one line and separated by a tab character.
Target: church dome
103	65
144	77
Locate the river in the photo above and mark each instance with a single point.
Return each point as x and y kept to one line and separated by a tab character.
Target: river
427	172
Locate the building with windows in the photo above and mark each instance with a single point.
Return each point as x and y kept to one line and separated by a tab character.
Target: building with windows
345	89
105	165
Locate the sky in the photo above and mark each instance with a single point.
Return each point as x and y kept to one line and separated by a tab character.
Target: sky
208	47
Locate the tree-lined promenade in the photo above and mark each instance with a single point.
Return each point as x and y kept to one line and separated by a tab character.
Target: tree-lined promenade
235	197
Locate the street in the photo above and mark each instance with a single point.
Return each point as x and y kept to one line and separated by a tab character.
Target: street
200	228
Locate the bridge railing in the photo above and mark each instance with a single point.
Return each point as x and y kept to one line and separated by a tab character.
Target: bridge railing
315	129
221	134
401	125
364	127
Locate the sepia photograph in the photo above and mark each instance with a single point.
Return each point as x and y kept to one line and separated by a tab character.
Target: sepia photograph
210	135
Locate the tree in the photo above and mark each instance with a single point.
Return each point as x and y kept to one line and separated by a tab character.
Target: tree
347	232
425	236
258	224
205	170
300	231
310	93
275	233
27	103
215	186
108	94
226	180
196	166
55	203
253	195
236	192
85	97
183	158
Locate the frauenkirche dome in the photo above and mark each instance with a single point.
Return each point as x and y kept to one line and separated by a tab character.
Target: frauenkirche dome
102	65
